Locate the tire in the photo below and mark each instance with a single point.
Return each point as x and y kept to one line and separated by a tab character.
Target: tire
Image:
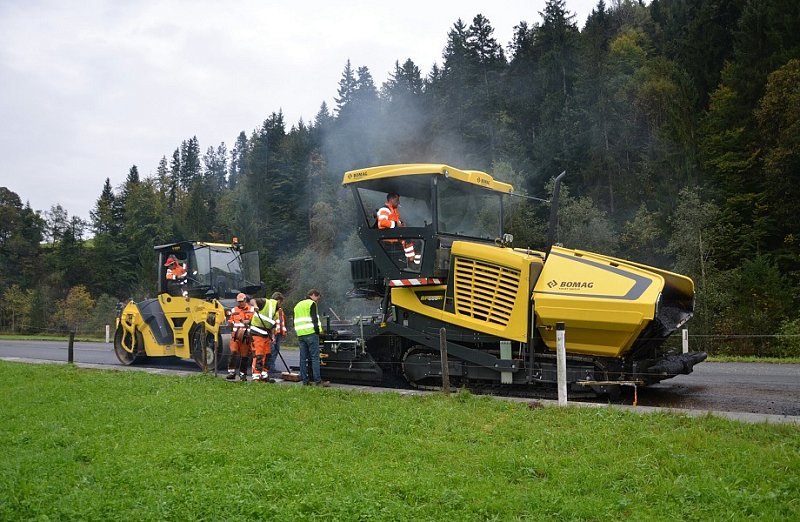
214	352
125	357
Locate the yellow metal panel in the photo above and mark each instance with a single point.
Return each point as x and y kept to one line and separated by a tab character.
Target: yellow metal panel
408	297
491	291
604	302
682	284
589	332
412	169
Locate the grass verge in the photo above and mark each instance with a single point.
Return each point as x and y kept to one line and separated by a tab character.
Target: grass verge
101	445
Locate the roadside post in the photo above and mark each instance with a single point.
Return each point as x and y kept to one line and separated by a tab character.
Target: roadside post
71	348
445	368
108	333
685	338
561	361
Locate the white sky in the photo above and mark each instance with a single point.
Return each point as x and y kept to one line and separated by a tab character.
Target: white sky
89	88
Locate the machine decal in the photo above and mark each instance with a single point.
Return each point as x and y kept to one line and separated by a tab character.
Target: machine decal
641	283
415	282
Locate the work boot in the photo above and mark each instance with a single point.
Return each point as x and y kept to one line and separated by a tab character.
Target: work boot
324	384
231	375
242	377
265	377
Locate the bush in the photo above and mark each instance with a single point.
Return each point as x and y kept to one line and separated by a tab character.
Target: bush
788	343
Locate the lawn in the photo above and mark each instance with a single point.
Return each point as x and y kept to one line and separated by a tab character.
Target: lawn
111	445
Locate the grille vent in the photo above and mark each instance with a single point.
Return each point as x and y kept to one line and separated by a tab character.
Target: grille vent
485	291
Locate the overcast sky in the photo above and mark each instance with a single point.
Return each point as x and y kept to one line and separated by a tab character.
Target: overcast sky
89	88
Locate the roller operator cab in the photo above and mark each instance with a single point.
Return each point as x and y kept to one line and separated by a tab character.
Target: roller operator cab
498	304
187	318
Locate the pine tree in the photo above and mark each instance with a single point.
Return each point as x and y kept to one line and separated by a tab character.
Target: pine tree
347	88
487	65
556	57
451	90
215	162
238	160
108	255
146	224
163	177
173	184
190	163
104	220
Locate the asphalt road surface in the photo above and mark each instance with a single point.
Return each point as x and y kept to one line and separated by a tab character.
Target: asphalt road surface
736	387
102	353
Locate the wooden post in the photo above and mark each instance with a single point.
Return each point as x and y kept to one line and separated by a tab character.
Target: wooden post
561	361
219	350
445	368
70	348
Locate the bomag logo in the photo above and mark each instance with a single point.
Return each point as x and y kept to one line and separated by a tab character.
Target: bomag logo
575	285
430	298
357	175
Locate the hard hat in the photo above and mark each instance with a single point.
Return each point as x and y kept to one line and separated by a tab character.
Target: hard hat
241	297
170	260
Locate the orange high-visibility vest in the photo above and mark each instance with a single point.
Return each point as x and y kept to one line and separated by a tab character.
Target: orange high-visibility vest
177	272
280	323
388	217
240	315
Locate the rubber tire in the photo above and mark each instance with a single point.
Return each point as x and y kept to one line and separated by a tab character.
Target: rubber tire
123	356
212	348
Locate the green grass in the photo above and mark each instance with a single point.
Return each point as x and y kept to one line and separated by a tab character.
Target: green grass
105	445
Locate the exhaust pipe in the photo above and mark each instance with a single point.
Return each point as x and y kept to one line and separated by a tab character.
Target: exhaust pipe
553	225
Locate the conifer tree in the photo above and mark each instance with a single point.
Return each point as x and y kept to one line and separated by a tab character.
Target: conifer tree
347	87
103	219
238	160
175	177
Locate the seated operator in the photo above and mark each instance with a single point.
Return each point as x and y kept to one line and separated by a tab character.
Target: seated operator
389	217
176	275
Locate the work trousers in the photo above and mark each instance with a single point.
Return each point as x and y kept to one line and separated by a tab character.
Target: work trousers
262	348
309	349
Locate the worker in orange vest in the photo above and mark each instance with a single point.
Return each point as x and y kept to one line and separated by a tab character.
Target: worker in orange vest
241	341
175	270
261	326
176	276
389	217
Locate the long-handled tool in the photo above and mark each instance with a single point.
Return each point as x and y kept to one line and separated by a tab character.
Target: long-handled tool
288	375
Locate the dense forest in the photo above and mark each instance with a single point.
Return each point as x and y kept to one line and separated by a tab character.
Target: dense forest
677	122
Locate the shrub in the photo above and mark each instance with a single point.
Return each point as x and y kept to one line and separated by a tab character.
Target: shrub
788	343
